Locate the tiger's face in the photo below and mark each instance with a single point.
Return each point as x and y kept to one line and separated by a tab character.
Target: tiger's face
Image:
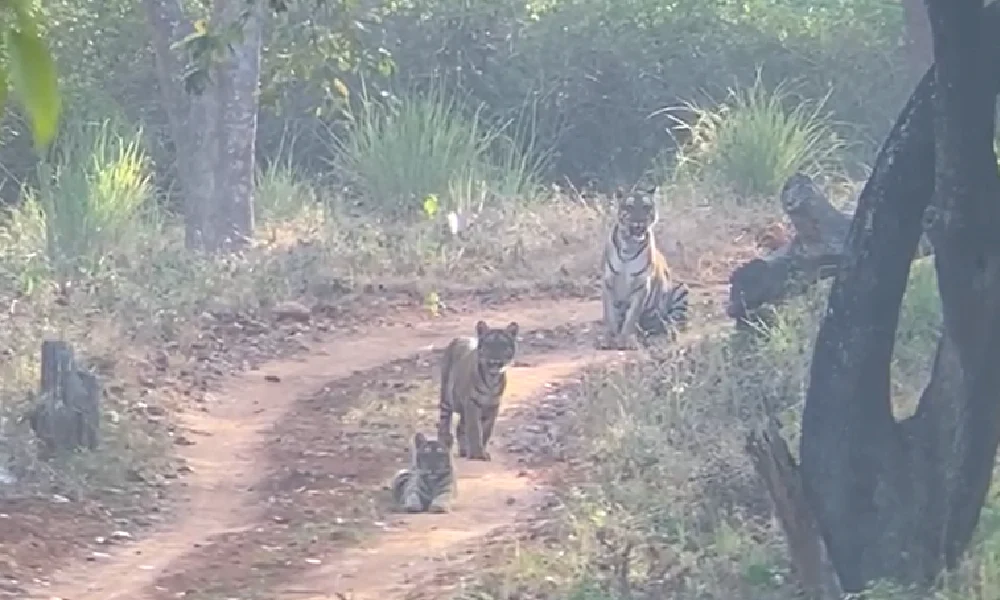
430	455
496	346
637	212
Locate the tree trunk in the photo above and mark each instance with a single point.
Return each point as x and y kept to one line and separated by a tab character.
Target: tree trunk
67	416
900	500
214	132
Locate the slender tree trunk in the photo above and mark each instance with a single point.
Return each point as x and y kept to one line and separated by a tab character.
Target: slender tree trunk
214	133
900	500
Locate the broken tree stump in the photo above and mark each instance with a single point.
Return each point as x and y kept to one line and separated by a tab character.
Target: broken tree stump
774	464
814	253
67	415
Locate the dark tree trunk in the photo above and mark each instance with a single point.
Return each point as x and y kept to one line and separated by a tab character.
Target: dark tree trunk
900	500
67	416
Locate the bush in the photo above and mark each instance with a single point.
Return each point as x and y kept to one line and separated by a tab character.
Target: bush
754	143
396	153
95	190
600	69
665	473
282	194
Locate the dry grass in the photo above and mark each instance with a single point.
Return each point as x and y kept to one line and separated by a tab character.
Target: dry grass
661	500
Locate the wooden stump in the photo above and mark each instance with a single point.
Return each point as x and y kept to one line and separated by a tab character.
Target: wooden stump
775	465
814	253
67	416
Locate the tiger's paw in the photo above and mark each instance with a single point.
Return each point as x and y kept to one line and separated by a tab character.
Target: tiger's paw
628	342
480	456
607	342
437	509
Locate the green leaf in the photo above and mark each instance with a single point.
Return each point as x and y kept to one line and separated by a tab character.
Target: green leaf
34	76
4	87
431	205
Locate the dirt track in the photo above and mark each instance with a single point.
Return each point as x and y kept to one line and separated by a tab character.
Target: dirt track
239	535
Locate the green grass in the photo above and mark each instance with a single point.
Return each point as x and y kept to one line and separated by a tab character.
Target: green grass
664	479
397	152
757	138
96	189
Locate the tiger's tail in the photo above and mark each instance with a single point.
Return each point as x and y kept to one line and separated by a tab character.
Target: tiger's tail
674	310
400	483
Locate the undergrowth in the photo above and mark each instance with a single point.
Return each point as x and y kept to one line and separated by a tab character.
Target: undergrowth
758	138
663	502
90	258
398	151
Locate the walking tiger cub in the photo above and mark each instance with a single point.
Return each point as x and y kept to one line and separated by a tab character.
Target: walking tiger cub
430	480
638	294
473	380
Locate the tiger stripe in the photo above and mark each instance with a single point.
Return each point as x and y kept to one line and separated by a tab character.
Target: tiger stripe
638	294
473	381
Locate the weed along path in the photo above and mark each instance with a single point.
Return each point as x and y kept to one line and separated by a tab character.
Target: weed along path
284	497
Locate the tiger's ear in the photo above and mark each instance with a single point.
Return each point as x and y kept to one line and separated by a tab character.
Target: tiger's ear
419	440
512	329
482	328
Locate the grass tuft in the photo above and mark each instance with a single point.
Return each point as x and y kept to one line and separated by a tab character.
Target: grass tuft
753	142
398	152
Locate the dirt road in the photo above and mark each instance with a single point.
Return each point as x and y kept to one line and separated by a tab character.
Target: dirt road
279	459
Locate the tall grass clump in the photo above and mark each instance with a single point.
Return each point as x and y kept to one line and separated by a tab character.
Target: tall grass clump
96	191
283	193
754	141
395	153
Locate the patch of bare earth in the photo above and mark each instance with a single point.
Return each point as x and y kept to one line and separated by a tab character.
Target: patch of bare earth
263	501
279	492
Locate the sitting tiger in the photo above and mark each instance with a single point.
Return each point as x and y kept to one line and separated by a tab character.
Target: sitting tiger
637	292
473	380
429	482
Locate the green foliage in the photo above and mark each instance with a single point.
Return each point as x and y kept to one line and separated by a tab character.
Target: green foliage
396	153
599	69
667	476
30	68
282	193
94	191
754	142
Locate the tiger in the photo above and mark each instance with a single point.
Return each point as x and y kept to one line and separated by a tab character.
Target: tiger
429	482
638	293
473	380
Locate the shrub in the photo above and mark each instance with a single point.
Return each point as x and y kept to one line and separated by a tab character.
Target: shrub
665	473
282	194
95	191
397	152
754	143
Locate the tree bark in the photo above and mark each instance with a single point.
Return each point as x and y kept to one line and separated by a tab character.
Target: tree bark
67	416
900	500
214	132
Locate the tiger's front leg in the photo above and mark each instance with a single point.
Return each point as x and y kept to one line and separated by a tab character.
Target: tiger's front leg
627	336
611	319
472	418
